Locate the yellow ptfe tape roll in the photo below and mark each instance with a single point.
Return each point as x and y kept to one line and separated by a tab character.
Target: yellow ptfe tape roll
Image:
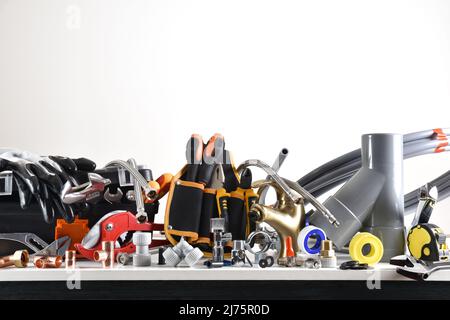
365	241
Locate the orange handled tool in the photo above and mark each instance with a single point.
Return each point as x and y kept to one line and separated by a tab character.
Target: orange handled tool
194	156
213	154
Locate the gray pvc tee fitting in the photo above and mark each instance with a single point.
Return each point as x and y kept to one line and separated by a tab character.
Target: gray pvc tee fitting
372	200
182	250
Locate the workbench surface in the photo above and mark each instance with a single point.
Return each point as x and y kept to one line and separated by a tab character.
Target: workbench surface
92	271
183	282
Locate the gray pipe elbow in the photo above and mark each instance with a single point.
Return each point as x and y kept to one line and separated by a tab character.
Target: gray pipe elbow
373	198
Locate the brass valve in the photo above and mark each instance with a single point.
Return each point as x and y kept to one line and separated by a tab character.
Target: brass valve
286	216
19	259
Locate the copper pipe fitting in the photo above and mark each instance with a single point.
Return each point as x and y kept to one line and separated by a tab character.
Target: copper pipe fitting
48	262
19	259
106	255
71	256
100	255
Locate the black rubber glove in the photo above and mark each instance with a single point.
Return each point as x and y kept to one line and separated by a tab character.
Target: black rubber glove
43	178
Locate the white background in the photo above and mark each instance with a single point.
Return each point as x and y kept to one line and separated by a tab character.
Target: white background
114	79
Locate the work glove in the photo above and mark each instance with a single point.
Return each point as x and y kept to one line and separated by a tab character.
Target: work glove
43	179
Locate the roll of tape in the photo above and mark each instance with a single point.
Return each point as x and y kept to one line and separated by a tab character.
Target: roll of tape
365	241
306	234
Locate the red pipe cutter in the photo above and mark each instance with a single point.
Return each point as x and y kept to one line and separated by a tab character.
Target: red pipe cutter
110	228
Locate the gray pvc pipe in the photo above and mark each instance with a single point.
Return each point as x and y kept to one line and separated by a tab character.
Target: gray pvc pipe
386	218
376	189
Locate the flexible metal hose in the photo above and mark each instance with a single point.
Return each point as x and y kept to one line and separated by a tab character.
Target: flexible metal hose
149	191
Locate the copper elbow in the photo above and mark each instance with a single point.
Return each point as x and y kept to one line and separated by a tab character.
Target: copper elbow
43	262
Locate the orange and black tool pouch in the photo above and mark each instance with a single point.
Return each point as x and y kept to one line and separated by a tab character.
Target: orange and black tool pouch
190	206
183	209
238	217
209	210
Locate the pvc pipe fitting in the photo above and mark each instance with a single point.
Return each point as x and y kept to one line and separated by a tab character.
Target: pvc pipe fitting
142	257
372	199
182	250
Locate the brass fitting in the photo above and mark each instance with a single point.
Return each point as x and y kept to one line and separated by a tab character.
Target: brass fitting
19	259
327	255
286	217
326	249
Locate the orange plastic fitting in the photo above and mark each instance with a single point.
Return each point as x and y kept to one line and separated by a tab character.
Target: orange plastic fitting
75	230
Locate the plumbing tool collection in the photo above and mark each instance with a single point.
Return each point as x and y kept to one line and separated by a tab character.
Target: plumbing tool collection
217	215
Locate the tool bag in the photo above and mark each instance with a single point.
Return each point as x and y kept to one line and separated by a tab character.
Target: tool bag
15	219
190	206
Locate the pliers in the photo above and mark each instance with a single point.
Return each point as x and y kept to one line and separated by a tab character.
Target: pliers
37	245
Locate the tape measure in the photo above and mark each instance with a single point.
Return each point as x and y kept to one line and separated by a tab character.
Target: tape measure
366	248
426	242
311	234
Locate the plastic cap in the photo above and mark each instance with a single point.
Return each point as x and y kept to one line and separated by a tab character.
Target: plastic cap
289	251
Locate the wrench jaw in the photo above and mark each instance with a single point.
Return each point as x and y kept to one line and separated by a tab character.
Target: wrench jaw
417	269
113	227
413	274
89	192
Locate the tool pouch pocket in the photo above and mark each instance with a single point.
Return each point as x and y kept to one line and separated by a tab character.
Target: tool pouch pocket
209	210
238	219
190	207
185	208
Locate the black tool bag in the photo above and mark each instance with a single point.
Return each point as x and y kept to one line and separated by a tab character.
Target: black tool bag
190	206
14	219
